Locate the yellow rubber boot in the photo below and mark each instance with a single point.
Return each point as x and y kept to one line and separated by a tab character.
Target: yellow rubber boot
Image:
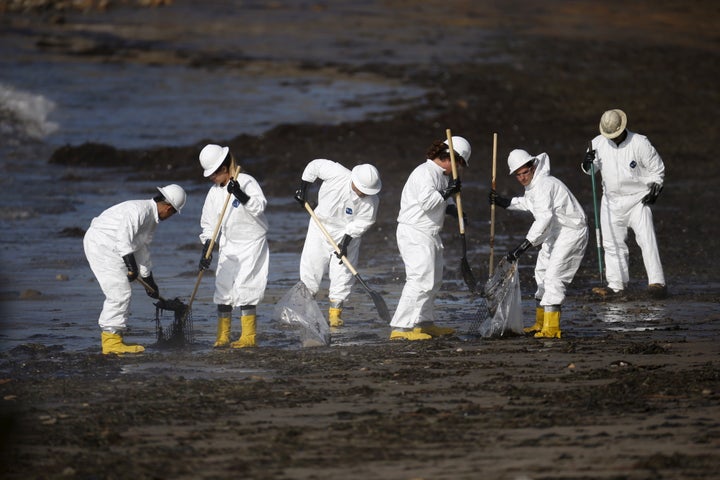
551	325
539	321
334	317
113	343
436	331
223	333
414	334
247	335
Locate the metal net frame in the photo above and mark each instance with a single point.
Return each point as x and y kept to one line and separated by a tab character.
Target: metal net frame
176	330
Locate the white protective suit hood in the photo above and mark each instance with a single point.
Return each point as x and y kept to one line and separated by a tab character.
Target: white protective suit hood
542	169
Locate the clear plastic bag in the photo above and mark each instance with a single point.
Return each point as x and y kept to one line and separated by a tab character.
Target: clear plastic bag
298	309
503	302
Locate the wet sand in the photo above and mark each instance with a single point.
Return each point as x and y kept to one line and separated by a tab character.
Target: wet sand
603	402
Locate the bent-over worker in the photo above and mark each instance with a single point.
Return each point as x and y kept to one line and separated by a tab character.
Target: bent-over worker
560	226
117	249
347	207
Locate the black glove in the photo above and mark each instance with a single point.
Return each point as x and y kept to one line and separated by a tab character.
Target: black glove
493	197
655	189
205	262
452	188
132	267
588	160
343	247
519	250
301	193
234	188
153	291
452	210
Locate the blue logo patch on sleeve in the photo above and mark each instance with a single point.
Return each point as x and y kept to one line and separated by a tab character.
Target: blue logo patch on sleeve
236	203
633	164
348	211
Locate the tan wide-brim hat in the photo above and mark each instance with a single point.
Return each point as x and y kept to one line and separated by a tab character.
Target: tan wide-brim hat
613	123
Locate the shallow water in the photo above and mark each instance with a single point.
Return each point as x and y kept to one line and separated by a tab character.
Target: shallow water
49	294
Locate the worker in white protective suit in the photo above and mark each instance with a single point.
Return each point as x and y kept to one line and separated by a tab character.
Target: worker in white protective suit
632	178
117	249
423	206
347	207
560	226
244	256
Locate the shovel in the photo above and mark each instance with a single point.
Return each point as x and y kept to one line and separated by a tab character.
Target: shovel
464	265
376	298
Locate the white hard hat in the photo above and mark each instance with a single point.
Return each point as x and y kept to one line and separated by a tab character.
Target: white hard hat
366	178
613	123
175	195
211	157
518	158
461	147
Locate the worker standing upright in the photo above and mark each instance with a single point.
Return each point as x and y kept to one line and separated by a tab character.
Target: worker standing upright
423	206
560	226
632	178
244	255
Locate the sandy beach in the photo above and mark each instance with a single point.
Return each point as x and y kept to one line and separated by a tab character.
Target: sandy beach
618	397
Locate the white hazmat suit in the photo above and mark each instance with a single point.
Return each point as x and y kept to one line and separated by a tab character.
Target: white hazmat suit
627	171
421	218
560	226
244	256
342	212
125	228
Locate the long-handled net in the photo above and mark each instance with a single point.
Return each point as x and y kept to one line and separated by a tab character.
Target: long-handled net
298	309
176	330
499	310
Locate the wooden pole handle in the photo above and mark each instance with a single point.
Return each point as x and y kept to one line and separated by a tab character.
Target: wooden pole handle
213	239
235	171
458	200
492	206
329	238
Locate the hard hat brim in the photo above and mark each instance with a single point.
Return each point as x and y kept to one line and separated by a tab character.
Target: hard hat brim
216	164
619	131
169	199
368	190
